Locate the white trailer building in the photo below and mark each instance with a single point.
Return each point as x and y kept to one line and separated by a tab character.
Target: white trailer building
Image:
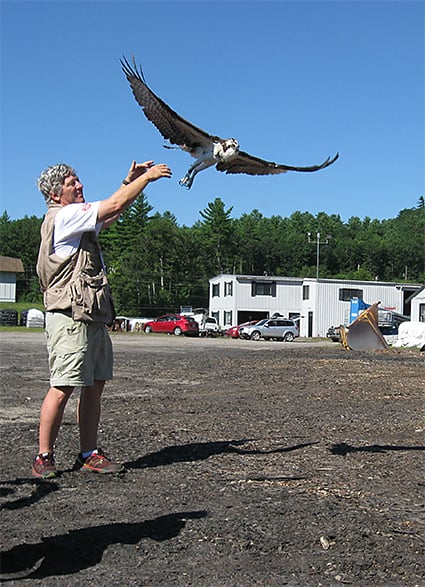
318	303
10	267
418	306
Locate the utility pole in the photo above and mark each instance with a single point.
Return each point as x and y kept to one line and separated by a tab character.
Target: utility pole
318	244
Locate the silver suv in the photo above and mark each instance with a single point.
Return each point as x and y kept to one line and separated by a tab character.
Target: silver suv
271	329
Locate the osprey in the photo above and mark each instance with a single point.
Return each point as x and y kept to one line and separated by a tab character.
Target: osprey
207	149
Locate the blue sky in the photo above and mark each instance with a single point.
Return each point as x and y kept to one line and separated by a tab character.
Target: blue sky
293	81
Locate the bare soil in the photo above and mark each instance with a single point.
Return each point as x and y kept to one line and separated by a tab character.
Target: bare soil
247	464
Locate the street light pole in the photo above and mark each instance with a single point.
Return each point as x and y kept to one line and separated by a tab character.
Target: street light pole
318	243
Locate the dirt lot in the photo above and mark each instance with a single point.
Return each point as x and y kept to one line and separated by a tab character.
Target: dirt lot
247	464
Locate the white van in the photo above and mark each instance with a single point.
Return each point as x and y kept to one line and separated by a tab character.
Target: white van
208	326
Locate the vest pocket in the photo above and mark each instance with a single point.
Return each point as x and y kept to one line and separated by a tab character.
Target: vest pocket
91	299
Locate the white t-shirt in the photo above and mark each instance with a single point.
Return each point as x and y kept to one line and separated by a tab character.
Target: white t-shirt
70	224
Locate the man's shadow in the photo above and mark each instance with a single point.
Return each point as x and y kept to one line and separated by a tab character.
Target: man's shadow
344	449
199	451
76	550
41	489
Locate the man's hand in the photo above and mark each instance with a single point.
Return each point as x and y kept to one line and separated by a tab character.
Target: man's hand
138	177
155	172
136	170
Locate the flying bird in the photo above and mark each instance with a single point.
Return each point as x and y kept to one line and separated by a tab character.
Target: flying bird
207	149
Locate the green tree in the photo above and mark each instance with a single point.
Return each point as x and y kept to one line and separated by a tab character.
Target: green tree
121	236
404	241
154	265
217	244
247	234
21	239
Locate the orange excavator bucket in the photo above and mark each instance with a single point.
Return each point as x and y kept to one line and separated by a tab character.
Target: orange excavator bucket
363	334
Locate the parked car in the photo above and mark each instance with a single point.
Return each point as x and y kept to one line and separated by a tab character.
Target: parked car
271	329
211	327
233	331
208	326
334	333
173	324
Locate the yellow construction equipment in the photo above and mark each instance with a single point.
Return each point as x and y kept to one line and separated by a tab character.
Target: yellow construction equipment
363	334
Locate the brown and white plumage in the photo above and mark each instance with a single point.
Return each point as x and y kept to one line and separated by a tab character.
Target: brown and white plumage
207	149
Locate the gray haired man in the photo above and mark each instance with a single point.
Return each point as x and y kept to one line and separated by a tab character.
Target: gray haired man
79	306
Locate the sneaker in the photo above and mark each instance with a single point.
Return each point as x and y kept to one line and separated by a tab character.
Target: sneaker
44	466
97	462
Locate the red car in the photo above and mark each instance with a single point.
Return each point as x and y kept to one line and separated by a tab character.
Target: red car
173	324
233	331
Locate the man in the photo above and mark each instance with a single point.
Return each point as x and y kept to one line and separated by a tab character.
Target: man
78	306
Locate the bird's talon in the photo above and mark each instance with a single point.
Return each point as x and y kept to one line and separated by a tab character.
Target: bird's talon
185	183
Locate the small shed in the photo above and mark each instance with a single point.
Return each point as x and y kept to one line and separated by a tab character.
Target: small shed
10	267
417	301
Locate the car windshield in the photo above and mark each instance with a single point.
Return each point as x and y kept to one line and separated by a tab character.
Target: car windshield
261	322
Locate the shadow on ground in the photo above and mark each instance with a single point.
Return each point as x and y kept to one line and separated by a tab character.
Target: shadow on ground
76	550
344	449
199	451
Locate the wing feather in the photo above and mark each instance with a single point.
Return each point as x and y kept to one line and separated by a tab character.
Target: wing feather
170	124
246	163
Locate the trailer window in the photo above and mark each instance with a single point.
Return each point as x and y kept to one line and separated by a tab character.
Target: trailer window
346	294
228	288
228	318
267	288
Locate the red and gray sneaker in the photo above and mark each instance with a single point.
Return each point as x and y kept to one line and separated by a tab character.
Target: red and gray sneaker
44	466
97	462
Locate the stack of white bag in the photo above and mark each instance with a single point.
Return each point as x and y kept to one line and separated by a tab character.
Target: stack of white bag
411	334
35	319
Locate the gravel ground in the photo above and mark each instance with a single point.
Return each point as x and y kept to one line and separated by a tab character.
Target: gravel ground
247	463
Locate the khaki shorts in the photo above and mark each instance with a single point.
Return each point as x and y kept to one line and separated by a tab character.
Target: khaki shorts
79	352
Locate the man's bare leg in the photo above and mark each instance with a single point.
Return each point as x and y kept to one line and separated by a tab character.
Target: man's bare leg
88	415
51	416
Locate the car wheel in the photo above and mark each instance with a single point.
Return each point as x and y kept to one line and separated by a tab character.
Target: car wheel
148	329
255	335
177	330
289	337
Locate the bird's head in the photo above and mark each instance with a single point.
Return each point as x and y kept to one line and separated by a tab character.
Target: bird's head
230	144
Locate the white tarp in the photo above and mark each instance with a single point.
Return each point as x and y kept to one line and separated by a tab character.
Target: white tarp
411	334
35	318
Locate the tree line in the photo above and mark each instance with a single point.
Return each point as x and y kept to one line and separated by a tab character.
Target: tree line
155	266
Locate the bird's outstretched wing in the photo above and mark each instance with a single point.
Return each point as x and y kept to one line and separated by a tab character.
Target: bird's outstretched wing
246	163
170	124
196	141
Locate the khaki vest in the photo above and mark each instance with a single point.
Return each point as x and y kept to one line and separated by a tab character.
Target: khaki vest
75	284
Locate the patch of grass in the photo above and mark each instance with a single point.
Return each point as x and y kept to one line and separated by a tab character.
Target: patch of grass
19	329
19	306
